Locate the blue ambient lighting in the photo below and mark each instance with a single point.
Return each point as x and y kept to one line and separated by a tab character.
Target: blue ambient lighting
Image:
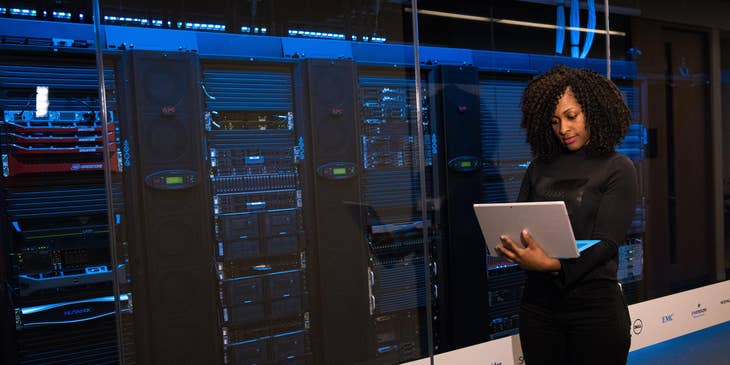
126	20
41	308
204	26
23	12
321	35
61	15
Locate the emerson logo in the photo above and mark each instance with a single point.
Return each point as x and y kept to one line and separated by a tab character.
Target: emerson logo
638	326
699	312
668	318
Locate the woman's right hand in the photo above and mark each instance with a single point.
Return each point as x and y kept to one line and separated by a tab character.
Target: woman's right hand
532	257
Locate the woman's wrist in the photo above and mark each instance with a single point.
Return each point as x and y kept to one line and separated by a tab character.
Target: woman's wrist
553	265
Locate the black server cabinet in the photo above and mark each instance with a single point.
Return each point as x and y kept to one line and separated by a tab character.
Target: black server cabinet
167	193
326	110
363	211
455	92
56	267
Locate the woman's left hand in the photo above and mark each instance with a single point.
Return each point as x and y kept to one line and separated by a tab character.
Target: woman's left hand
532	257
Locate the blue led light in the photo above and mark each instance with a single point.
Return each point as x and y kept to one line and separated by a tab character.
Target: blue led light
306	33
81	16
41	308
157	23
354	38
203	26
377	39
263	30
61	15
248	30
126	20
23	12
3	10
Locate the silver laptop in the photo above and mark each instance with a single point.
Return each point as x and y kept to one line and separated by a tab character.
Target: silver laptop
548	223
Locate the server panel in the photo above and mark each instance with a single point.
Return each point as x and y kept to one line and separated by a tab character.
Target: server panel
258	220
55	232
391	193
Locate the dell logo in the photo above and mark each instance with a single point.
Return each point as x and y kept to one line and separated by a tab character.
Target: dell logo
638	326
668	318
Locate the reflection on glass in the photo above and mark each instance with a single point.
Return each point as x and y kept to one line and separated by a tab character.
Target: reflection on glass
264	160
312	250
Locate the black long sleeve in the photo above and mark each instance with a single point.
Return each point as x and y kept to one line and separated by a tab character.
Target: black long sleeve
600	196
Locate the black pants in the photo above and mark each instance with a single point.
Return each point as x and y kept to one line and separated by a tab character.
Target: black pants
588	325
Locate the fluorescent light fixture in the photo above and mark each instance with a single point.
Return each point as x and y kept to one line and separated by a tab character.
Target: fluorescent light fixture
41	101
519	23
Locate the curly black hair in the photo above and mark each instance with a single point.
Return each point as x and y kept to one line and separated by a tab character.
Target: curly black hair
607	115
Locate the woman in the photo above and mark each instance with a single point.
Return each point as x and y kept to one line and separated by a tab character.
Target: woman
573	310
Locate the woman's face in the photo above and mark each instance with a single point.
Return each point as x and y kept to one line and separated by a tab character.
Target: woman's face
569	122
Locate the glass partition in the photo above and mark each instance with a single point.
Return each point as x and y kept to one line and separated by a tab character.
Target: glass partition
281	182
57	299
277	204
483	55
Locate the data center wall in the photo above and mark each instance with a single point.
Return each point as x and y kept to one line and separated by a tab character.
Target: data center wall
270	233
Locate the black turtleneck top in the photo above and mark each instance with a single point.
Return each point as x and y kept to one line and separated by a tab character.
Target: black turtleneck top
600	195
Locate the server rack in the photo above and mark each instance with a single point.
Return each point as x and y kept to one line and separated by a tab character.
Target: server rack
55	243
172	275
505	157
394	224
326	112
455	93
371	235
257	202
